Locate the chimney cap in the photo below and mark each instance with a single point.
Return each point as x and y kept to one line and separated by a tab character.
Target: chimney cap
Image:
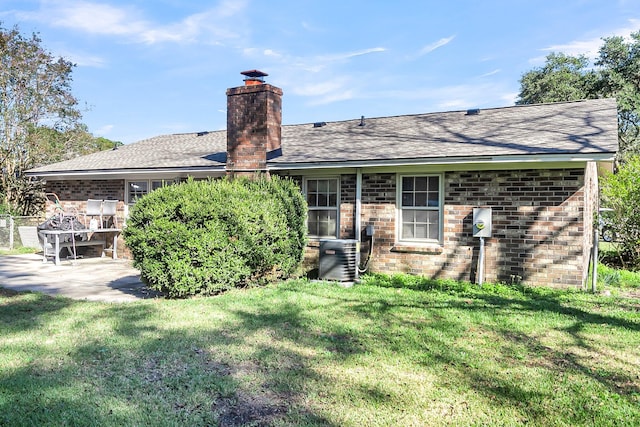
254	77
254	74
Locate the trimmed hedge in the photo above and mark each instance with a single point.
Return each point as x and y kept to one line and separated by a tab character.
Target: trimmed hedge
205	237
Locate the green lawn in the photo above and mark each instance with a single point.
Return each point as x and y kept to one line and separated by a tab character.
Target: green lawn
385	352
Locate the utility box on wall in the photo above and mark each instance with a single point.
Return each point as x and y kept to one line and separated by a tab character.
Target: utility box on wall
481	222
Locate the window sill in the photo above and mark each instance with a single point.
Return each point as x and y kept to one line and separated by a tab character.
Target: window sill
426	248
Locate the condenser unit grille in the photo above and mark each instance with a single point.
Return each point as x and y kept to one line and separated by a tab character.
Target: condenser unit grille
338	260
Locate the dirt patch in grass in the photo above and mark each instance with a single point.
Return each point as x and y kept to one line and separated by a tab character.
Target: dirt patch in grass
258	408
631	293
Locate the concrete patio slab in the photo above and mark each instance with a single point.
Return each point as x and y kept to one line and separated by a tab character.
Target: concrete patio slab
93	279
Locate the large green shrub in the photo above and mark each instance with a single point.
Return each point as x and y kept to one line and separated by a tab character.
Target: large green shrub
621	192
204	237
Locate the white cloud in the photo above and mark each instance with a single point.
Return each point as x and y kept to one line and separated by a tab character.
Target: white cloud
590	47
342	56
509	98
128	22
272	53
93	18
103	130
325	88
301	73
470	96
319	63
490	73
326	58
330	98
311	27
453	97
435	45
84	59
210	23
584	47
537	61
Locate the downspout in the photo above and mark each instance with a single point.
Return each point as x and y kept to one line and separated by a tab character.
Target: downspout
595	223
358	224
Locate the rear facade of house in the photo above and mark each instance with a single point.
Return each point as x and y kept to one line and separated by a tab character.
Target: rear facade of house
403	187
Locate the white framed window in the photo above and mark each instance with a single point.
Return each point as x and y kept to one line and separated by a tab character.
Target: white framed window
420	208
323	200
137	189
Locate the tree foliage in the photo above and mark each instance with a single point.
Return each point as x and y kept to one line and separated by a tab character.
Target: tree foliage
615	73
35	91
619	70
51	145
562	78
39	116
621	192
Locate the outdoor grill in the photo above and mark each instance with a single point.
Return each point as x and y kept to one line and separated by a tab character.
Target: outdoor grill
65	223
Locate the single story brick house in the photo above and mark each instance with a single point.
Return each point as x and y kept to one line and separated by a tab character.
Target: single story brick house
415	178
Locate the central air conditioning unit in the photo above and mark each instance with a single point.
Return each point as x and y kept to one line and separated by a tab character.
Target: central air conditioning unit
338	260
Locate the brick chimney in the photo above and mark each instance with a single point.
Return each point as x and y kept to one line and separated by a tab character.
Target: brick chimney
254	119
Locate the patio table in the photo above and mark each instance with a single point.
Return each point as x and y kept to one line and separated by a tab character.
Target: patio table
56	245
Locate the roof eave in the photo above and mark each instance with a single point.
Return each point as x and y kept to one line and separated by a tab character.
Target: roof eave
537	158
277	166
123	172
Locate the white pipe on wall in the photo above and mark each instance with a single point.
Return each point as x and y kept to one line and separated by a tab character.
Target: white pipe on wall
358	203
481	262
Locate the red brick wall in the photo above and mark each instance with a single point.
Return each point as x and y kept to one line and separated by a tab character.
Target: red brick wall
254	116
538	227
347	206
73	196
542	222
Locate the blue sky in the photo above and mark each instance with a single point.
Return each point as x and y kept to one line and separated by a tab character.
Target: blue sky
152	67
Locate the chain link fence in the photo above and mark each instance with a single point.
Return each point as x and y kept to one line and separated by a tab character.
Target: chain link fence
18	232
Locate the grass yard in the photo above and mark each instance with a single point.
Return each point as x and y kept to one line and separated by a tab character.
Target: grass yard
385	352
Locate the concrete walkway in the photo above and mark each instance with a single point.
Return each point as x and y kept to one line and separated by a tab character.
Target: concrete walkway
94	279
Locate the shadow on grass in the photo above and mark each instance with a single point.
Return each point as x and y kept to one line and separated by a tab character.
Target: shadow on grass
527	298
25	311
500	302
143	371
255	361
132	285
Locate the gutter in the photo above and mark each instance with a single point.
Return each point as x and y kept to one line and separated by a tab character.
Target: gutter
124	173
538	158
294	166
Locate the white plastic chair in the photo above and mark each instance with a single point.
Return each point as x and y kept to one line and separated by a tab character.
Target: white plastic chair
110	209
94	208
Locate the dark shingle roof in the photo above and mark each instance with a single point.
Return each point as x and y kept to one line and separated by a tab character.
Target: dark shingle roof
581	127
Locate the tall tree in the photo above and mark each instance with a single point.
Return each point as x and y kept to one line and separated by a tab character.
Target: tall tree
35	92
51	145
619	77
615	73
562	78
